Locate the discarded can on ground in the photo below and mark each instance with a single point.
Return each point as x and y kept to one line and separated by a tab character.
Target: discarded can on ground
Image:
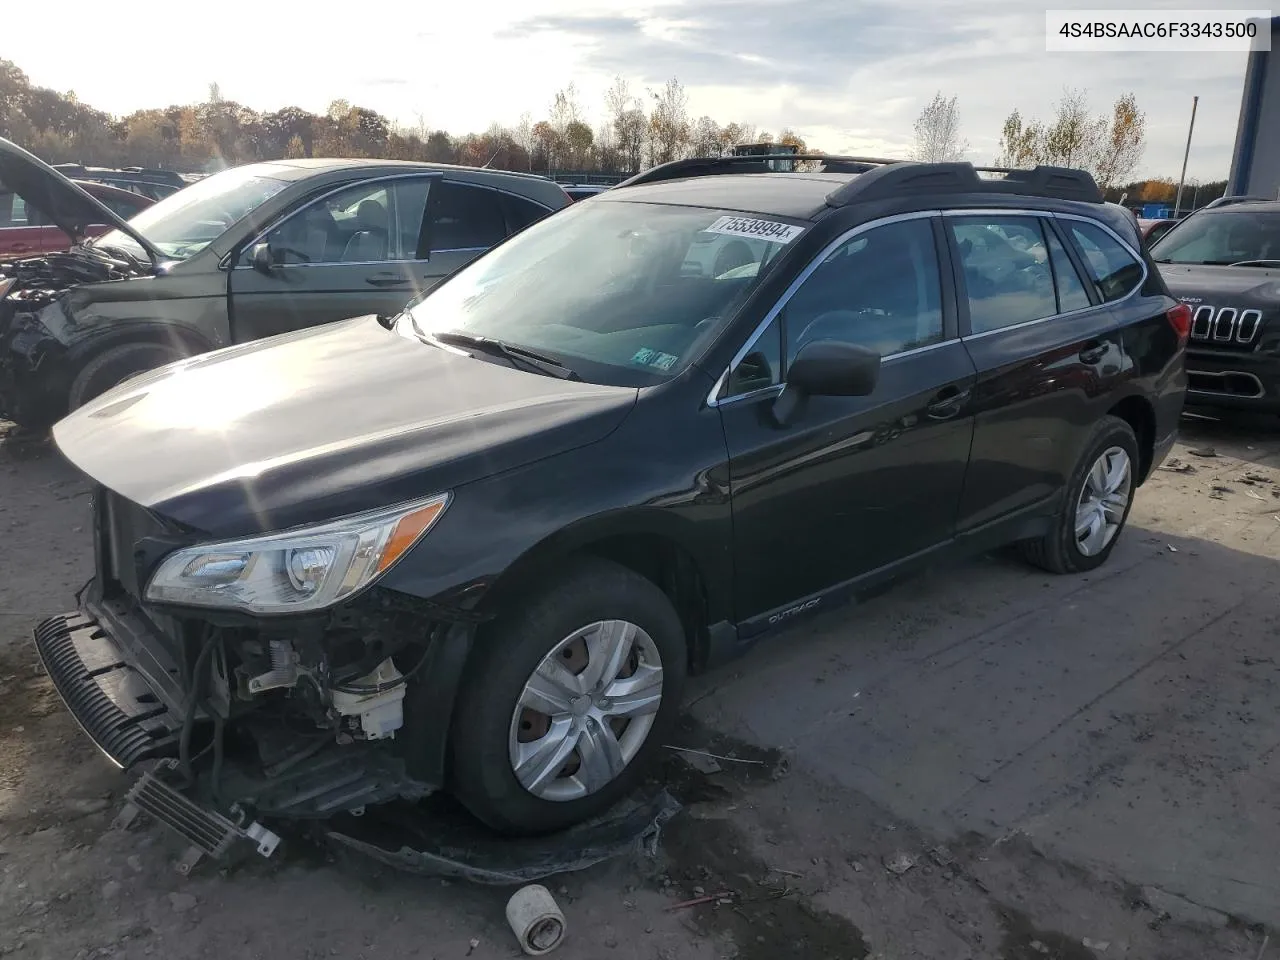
535	919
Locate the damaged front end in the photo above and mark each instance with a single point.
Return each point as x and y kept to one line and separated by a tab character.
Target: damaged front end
35	320
252	718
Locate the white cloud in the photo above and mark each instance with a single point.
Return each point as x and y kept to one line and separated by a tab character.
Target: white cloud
848	77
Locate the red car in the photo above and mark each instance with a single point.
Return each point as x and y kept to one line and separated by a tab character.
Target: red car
26	232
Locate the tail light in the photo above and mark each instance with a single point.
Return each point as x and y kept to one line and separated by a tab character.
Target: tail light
1179	318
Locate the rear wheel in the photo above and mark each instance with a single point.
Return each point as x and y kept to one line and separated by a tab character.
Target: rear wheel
1096	506
114	366
566	699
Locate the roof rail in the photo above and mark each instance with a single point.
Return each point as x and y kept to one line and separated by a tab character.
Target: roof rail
1060	183
1232	200
881	177
715	166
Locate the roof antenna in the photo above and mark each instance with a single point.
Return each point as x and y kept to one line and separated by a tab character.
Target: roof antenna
491	159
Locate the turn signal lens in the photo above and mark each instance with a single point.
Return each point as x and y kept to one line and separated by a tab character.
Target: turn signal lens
407	532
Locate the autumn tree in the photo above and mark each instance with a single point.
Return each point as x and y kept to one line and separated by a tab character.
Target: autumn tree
578	140
937	132
704	138
1020	143
1122	142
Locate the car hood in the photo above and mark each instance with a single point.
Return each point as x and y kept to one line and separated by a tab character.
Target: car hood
71	208
1223	286
323	423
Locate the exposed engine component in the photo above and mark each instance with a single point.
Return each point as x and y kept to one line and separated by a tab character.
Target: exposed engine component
378	714
284	670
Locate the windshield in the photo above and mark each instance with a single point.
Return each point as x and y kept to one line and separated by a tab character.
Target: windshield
619	292
1229	236
184	223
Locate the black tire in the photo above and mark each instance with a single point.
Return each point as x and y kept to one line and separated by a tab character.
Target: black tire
1058	551
113	366
507	652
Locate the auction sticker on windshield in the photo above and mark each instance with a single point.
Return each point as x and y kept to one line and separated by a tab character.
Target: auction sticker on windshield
756	229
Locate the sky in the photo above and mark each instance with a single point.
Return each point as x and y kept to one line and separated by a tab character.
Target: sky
849	76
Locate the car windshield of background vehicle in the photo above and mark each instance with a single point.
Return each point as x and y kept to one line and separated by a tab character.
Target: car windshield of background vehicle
184	223
618	292
1235	236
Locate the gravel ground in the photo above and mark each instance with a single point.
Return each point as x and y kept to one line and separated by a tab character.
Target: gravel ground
982	762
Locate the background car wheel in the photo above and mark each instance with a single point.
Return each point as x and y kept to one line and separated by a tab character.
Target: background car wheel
113	367
565	700
1097	503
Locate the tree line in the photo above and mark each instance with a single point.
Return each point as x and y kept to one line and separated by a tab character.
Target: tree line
639	128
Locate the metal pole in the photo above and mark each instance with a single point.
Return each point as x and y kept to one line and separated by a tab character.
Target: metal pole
1177	203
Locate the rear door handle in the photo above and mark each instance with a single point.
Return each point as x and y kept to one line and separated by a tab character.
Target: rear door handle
387	279
947	402
20	247
1093	352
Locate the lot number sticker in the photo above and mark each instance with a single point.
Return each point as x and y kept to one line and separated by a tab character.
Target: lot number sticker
756	229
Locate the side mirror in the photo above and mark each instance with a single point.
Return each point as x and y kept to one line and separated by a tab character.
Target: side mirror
827	368
262	258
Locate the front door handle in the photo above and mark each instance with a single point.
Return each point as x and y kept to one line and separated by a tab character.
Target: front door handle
947	402
20	247
1093	352
387	279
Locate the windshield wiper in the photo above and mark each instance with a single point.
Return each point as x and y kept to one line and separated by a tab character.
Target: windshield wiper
518	356
1260	262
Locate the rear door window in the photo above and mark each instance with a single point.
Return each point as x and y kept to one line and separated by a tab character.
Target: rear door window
464	217
1007	276
1115	271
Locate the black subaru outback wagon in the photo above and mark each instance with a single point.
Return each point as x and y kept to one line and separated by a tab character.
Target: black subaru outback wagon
477	547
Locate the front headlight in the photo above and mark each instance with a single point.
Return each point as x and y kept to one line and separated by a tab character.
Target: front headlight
307	568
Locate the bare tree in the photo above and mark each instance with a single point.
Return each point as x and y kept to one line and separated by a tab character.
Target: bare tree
669	122
627	122
564	114
1122	142
937	132
523	136
1072	140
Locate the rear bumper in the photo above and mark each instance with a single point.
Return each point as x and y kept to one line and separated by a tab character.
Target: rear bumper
1233	380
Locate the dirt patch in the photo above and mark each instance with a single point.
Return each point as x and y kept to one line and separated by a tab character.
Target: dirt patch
1023	941
26	693
756	906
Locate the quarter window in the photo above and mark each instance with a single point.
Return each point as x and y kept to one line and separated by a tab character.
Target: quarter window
880	289
761	367
1115	271
1071	292
1007	276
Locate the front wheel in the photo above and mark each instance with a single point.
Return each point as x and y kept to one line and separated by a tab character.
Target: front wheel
566	699
1096	505
113	367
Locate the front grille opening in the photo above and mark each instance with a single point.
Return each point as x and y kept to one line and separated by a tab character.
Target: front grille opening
1227	383
1225	325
